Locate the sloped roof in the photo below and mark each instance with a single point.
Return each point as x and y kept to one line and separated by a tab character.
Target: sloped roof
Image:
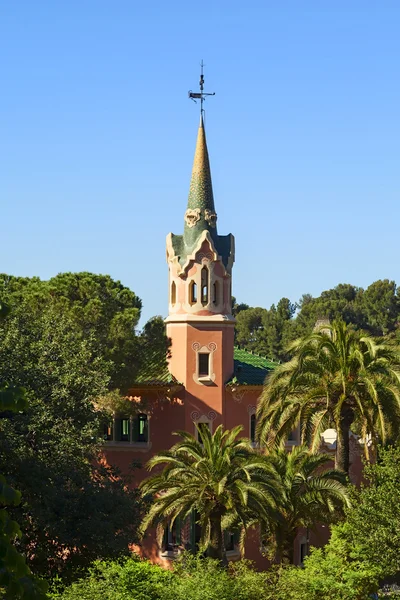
155	374
250	369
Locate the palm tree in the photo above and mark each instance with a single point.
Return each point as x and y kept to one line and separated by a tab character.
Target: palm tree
222	479
337	378
312	493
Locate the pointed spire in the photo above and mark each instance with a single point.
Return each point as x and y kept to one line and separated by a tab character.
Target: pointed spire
200	213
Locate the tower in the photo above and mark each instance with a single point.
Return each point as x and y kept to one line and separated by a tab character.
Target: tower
200	322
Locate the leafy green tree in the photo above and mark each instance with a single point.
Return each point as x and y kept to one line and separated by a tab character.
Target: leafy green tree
74	508
341	302
221	478
237	308
312	493
373	523
337	377
381	307
16	580
250	330
265	331
102	309
375	310
278	328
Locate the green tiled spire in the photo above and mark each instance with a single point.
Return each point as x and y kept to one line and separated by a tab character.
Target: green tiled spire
200	216
200	213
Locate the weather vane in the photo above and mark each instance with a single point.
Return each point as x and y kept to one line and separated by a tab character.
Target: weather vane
200	95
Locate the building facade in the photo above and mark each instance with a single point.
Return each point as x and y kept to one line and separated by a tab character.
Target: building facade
209	381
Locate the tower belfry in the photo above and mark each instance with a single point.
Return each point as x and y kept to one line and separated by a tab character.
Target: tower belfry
200	322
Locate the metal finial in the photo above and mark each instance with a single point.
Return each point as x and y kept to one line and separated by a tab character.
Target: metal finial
200	95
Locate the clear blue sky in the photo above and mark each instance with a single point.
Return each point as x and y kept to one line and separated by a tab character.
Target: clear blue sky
97	139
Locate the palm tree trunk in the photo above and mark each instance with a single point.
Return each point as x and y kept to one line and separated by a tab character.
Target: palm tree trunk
287	554
342	457
216	548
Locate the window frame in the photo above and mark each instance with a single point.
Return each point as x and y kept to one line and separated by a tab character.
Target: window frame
205	374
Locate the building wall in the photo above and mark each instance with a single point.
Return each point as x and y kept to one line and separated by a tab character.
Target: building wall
216	404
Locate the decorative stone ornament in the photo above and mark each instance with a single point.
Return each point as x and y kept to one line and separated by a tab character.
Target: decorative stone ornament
210	217
192	216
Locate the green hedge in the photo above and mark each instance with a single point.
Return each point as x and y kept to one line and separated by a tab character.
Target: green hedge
327	576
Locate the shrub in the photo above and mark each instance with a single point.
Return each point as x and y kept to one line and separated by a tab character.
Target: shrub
336	572
127	579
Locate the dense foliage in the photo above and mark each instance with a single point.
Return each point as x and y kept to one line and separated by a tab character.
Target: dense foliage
361	554
16	580
193	578
268	332
220	477
337	378
373	524
68	341
311	493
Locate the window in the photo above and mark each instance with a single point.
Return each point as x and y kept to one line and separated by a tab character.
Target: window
215	292
125	430
108	432
231	539
122	429
253	428
172	536
141	429
173	293
303	552
204	364
294	436
192	292
204	286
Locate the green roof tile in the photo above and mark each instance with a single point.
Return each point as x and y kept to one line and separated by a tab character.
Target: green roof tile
154	374
250	369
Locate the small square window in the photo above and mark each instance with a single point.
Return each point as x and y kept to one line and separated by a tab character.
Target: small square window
204	364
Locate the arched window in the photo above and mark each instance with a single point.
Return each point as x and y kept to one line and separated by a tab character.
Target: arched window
253	428
173	293
192	292
204	286
215	292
